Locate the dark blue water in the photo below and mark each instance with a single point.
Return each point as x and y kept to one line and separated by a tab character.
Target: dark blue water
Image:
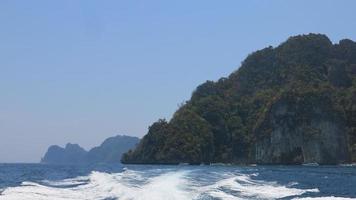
108	182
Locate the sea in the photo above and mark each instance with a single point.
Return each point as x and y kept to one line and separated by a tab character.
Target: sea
156	182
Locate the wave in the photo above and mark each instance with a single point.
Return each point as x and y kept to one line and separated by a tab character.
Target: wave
243	187
325	198
140	185
103	186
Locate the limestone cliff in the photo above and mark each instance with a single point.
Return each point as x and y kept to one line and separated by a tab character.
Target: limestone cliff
290	104
302	130
110	151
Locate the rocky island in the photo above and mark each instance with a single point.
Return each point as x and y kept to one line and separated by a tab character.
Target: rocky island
110	151
290	104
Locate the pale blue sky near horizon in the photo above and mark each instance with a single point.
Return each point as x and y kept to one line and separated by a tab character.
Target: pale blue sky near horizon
82	71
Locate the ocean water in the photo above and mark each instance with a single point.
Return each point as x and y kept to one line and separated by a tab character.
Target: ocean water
154	182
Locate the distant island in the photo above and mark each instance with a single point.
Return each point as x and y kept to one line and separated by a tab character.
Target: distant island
292	104
110	151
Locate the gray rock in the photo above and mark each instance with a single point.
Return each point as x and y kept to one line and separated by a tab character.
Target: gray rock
292	134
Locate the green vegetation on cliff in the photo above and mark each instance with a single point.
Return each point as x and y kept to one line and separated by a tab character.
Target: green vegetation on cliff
291	104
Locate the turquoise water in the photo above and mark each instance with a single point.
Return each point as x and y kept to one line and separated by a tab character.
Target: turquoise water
109	182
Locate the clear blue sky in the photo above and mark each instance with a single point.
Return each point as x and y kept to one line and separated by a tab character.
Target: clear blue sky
81	71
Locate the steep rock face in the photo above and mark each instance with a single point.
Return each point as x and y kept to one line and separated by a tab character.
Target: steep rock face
72	153
110	151
300	132
294	103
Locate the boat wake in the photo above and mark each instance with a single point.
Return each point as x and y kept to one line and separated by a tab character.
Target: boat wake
137	185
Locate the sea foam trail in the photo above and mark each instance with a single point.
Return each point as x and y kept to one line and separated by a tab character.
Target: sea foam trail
141	185
324	198
104	186
241	186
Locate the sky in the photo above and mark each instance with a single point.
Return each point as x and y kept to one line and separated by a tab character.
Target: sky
81	71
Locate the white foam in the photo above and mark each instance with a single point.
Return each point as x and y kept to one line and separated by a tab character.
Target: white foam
67	182
326	198
136	185
166	186
97	184
242	186
103	185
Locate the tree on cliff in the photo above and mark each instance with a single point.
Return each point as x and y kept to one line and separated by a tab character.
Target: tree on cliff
251	116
